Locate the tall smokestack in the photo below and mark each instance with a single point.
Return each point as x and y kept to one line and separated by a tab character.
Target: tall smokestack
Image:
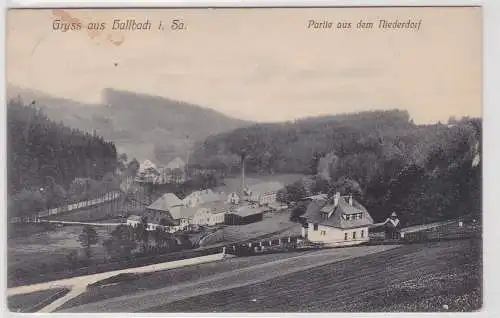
242	175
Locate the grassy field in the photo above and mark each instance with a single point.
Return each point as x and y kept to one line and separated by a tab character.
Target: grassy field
33	301
413	278
38	250
272	222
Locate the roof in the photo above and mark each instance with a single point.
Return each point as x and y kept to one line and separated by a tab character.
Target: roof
134	218
266	187
177	163
320	196
166	202
248	210
314	209
205	196
146	165
218	207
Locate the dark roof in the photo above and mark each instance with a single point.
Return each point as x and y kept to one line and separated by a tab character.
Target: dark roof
316	208
247	210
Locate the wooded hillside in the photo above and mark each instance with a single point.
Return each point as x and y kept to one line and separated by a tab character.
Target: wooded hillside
423	172
48	161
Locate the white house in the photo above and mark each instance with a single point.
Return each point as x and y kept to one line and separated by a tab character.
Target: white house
264	193
133	220
148	172
211	213
341	221
233	198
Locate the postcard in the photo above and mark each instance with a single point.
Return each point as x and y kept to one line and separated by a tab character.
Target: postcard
323	159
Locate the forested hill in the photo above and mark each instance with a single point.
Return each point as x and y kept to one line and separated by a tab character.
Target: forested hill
292	146
140	125
45	158
425	172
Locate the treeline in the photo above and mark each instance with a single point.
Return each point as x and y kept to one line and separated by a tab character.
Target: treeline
423	172
292	147
50	164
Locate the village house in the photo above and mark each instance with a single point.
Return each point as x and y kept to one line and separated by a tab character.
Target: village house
148	172
341	222
264	193
211	213
175	171
165	211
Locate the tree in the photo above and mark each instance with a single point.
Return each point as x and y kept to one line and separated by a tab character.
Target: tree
45	154
298	211
281	196
132	168
178	175
158	237
121	243
142	233
295	192
87	238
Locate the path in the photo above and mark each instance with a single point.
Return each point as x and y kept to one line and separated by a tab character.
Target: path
79	284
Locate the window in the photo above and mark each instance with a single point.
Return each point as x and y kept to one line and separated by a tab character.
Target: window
353	235
323	233
345	236
316	226
362	233
325	216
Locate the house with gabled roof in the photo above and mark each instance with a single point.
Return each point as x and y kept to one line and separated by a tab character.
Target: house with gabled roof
341	221
165	210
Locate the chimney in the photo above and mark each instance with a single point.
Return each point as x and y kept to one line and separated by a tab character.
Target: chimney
350	199
242	176
336	199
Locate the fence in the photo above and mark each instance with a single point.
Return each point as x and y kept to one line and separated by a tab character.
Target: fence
108	197
448	230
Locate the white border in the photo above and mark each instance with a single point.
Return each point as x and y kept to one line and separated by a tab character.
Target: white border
491	118
241	3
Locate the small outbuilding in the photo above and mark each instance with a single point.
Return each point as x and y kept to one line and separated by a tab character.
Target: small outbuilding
244	215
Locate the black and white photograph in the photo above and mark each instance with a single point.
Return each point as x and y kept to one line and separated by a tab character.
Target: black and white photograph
244	160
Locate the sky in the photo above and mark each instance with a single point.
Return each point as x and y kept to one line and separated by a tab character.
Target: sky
263	65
